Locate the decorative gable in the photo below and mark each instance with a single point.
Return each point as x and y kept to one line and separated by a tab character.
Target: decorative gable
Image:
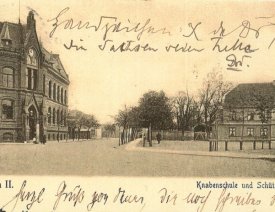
31	40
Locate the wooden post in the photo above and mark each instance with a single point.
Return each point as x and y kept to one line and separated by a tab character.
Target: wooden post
225	144
270	136
150	135
119	136
254	145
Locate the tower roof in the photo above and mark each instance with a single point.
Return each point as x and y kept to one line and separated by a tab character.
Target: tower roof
6	36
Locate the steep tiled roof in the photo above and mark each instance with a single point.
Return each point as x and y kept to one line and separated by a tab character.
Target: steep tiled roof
55	61
245	95
19	36
14	32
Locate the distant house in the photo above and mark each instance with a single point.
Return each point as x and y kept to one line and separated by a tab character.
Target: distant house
248	113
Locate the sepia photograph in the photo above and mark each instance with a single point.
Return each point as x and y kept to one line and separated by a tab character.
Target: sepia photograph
136	88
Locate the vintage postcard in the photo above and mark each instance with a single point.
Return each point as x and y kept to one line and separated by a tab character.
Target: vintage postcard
137	105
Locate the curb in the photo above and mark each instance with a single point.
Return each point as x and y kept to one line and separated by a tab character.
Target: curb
132	146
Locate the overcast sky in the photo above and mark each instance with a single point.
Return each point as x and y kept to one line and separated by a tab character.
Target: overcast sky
103	81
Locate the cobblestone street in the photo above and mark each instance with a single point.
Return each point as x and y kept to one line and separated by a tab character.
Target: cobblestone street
106	158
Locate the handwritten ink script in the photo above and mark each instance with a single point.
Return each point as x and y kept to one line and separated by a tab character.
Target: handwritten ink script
237	44
205	196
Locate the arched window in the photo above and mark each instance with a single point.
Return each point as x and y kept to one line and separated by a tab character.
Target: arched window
58	117
54	116
8	77
58	93
50	89
49	115
7	137
62	95
61	118
65	119
7	109
65	97
31	71
54	91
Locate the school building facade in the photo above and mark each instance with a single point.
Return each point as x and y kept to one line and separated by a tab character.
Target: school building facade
33	86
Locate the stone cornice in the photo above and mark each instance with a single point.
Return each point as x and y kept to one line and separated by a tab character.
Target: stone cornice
10	52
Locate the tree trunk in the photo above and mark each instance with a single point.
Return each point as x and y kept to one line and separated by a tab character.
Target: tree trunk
123	136
150	135
79	128
182	134
88	133
119	137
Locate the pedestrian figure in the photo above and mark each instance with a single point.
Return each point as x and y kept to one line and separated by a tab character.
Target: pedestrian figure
44	139
34	139
144	138
158	137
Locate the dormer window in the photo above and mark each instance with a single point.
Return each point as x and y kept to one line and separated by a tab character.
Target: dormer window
7	42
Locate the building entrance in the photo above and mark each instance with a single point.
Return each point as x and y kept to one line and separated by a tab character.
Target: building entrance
32	122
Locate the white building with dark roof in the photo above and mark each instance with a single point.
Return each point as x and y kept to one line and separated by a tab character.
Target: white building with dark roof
248	113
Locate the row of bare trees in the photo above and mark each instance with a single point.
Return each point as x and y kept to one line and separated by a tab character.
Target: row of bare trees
181	112
203	108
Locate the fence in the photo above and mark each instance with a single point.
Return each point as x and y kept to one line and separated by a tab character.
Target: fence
214	143
173	135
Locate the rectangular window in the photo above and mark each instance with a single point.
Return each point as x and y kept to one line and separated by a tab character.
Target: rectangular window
250	116
5	80
250	131
8	80
28	79
44	84
31	79
34	79
7	109
232	131
263	132
7	77
233	116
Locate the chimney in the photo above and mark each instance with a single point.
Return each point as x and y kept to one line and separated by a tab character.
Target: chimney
30	21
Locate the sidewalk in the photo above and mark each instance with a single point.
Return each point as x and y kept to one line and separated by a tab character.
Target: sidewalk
133	146
48	142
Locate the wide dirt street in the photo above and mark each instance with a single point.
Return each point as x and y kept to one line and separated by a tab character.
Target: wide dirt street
105	157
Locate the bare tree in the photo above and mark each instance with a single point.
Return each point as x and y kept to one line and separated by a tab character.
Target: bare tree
211	97
123	119
184	109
